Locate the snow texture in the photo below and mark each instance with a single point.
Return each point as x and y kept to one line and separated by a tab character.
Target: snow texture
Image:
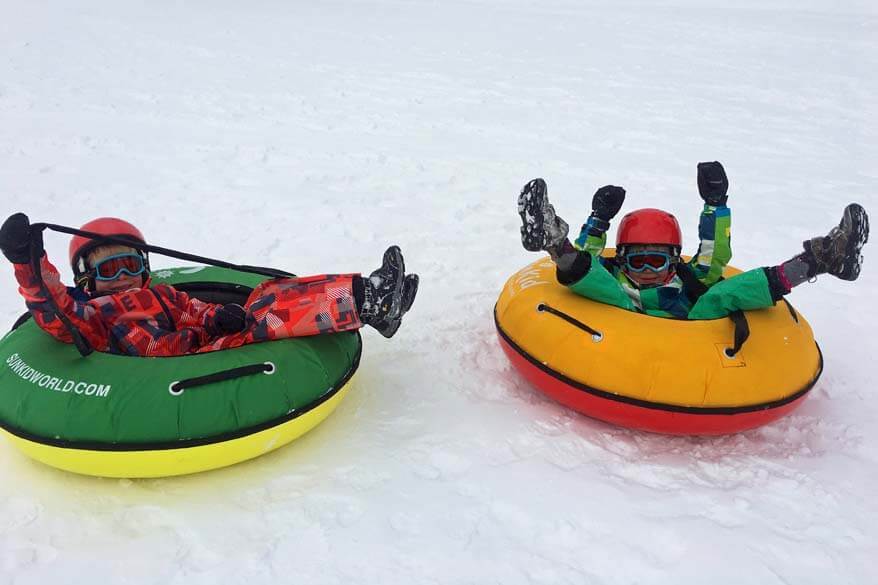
309	136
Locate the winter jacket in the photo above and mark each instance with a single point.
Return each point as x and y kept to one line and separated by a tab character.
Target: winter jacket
684	295
162	321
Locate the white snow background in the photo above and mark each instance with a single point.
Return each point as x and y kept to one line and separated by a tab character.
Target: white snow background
311	135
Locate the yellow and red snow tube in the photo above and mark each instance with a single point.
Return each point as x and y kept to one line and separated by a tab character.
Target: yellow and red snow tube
651	373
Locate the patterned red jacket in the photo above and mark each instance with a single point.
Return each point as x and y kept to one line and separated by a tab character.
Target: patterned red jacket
155	321
162	321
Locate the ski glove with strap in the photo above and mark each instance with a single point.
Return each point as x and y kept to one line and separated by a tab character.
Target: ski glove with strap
713	185
605	204
15	238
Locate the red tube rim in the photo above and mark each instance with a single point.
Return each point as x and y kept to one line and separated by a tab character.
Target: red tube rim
648	416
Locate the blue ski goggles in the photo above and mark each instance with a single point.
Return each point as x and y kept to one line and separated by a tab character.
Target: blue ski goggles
112	267
654	261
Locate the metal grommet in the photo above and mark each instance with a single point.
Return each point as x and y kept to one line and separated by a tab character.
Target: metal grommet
728	353
273	368
174	391
597	337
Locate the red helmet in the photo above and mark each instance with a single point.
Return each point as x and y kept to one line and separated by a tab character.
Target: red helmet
80	246
649	226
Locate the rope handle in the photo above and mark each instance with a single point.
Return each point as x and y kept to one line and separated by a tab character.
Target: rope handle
596	335
177	387
742	327
36	253
272	272
36	256
742	332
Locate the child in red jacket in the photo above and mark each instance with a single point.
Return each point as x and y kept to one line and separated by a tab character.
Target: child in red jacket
117	311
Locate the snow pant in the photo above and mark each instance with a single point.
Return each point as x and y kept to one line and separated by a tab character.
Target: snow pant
295	307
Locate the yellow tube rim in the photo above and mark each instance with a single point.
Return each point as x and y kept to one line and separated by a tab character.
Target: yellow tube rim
170	462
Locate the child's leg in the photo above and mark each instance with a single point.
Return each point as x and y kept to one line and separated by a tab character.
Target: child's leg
296	307
541	229
314	305
299	307
837	253
389	327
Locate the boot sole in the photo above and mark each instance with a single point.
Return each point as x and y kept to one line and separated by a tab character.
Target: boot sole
390	326
393	257
531	203
850	268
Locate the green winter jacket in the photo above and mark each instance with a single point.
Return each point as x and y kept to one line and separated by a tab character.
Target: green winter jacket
605	282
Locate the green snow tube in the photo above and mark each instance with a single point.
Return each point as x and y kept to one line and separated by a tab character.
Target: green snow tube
122	416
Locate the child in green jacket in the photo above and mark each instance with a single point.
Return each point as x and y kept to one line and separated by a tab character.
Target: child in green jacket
647	274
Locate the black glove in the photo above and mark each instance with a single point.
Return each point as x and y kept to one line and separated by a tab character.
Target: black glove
605	204
713	185
15	238
230	318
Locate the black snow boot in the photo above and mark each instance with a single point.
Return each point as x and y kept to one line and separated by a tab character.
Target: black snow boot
541	229
382	290
388	327
838	253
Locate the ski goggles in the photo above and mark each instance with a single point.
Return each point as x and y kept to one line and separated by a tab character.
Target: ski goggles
112	267
640	261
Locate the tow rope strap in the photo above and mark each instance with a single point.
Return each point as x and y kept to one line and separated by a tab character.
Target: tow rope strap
37	249
742	331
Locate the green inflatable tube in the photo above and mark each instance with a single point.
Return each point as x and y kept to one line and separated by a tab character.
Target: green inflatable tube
52	396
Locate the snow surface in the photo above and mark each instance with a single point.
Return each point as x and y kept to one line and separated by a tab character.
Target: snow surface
311	135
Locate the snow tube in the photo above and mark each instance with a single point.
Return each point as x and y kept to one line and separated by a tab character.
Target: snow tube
121	416
650	373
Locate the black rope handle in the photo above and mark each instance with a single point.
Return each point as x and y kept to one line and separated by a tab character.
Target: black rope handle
36	254
742	327
272	272
176	388
742	332
544	308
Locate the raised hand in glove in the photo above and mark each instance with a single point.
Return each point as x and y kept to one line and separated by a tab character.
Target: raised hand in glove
230	318
15	238
605	204
713	185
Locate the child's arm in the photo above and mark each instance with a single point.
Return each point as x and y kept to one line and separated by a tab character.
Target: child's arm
194	312
585	272
714	250
714	226
15	243
588	242
191	327
83	316
216	319
605	204
595	281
